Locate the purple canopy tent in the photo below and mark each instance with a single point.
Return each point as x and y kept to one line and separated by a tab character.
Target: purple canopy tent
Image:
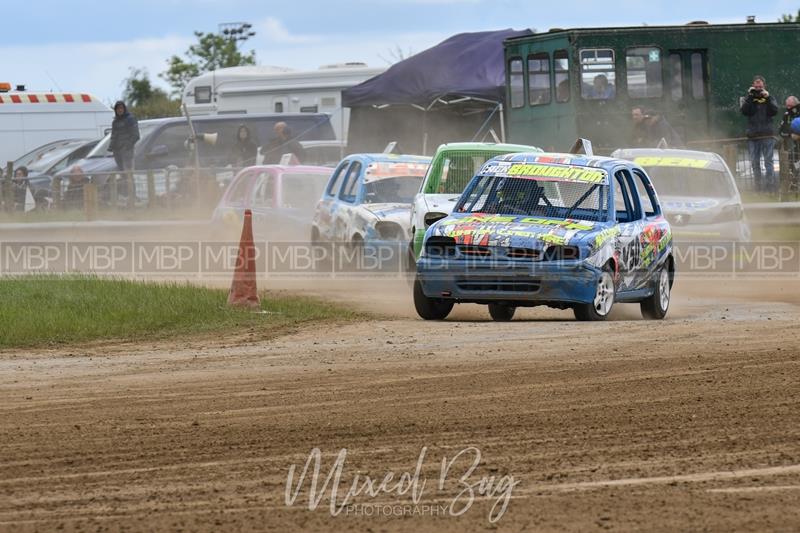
452	92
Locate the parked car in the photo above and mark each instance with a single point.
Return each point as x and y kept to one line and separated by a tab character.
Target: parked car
163	142
561	230
368	199
323	153
452	167
282	199
697	190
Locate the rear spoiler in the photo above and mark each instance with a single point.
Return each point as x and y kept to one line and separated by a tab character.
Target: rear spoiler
582	145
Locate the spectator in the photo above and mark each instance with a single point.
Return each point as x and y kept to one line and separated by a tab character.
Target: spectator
760	107
639	133
792	112
124	136
20	185
73	195
601	88
282	143
244	152
650	126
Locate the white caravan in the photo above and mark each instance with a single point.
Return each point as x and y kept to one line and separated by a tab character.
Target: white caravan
31	119
261	89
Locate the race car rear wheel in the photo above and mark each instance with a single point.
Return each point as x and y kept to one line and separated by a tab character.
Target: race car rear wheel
501	313
430	308
655	307
603	300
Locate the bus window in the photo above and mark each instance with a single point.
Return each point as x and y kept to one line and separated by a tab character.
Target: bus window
516	82
539	79
644	72
598	76
698	86
561	68
676	77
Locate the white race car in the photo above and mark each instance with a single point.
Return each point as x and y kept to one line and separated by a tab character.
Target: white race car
452	168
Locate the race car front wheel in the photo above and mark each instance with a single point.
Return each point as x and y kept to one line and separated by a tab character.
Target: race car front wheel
430	308
656	306
501	313
603	300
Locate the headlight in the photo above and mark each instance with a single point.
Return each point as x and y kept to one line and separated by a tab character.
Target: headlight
390	231
440	247
561	253
431	218
730	213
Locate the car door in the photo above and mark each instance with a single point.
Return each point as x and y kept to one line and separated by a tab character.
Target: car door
323	213
262	201
628	216
655	232
347	199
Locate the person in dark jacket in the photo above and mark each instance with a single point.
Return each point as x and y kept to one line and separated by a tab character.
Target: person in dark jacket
244	151
124	136
650	126
282	143
760	107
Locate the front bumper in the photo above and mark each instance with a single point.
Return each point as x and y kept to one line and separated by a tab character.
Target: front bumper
737	231
520	282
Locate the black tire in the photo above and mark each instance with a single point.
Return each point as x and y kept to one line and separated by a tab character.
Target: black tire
605	292
501	313
430	308
656	306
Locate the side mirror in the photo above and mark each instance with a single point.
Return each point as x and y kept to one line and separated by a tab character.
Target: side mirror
158	150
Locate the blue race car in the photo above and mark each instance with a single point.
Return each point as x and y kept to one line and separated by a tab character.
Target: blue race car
562	230
368	199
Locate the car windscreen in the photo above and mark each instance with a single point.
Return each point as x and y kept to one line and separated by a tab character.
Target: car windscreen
43	151
451	172
693	182
101	150
52	157
529	196
399	189
302	191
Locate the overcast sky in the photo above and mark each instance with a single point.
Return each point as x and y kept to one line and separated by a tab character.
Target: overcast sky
89	46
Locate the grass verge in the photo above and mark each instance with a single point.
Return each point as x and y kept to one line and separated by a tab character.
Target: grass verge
60	310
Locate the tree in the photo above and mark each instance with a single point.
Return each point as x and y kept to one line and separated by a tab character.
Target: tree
212	51
790	17
146	101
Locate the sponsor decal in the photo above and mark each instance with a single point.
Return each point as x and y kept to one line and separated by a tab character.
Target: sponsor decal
382	169
547	172
605	235
683	162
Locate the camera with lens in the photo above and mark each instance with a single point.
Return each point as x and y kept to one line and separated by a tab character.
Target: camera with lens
755	93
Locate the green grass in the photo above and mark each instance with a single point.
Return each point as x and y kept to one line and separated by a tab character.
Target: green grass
60	310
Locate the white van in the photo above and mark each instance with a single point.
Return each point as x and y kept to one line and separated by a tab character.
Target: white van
31	119
261	89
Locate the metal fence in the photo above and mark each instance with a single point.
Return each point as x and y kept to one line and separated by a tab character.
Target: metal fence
170	188
736	153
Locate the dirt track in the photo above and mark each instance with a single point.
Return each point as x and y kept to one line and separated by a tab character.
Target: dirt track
692	423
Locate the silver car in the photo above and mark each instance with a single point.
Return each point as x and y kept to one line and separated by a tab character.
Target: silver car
697	192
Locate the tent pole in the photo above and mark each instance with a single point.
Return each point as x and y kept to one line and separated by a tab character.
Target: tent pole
502	123
425	132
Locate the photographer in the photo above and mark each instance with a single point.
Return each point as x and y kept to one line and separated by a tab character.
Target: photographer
760	108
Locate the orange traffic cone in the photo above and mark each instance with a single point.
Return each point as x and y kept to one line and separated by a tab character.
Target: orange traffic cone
243	291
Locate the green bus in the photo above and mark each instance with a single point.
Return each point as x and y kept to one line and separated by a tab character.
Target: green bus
566	84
